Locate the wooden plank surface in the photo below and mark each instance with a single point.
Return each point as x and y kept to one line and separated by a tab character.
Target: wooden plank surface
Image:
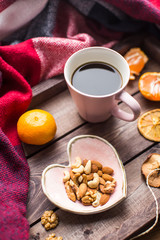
138	209
66	117
47	89
117	223
46	97
123	136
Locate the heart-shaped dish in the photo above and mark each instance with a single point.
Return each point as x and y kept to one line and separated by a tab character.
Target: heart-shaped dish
86	147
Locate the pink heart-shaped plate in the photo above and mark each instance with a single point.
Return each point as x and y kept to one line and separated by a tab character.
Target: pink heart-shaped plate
86	147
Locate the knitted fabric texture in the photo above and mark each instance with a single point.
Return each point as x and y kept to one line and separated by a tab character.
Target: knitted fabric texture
38	51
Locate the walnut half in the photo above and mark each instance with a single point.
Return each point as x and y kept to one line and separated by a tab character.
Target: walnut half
49	220
53	237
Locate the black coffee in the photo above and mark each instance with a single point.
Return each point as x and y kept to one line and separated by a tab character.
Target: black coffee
97	78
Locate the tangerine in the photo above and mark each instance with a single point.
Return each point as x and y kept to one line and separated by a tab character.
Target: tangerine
149	125
36	127
136	59
149	85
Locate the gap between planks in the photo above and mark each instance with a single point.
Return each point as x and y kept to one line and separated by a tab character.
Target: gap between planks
55	105
131	159
146	216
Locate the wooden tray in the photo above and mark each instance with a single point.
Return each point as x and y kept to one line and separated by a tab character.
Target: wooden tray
137	211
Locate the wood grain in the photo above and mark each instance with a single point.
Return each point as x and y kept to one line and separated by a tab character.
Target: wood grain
123	136
138	210
66	115
152	46
153	234
129	42
47	89
117	223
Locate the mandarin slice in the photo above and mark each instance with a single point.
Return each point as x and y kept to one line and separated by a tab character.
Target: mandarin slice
136	59
149	85
149	125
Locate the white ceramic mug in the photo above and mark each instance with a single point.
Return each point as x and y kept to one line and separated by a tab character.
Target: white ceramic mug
99	108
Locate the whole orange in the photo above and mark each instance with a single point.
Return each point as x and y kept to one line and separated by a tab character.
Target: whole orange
36	127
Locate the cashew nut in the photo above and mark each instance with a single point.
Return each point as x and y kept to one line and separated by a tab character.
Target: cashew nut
77	163
94	183
66	176
78	170
97	201
80	179
87	168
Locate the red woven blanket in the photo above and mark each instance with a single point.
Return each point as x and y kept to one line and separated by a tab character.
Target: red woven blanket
28	56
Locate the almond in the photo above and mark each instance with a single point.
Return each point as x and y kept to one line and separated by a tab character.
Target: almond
84	178
107	177
100	173
89	176
98	164
82	190
101	187
102	181
85	162
104	199
94	168
107	170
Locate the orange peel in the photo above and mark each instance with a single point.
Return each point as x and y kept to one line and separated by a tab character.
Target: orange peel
149	85
136	59
36	127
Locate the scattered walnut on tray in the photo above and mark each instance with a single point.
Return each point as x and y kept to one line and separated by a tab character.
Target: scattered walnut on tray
53	237
89	182
49	220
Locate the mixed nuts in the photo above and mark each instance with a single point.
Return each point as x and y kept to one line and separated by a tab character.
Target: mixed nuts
89	182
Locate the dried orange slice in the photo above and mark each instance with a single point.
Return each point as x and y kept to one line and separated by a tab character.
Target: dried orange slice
149	125
149	85
136	59
152	163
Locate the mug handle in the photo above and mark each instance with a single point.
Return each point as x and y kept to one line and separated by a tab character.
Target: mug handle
132	104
